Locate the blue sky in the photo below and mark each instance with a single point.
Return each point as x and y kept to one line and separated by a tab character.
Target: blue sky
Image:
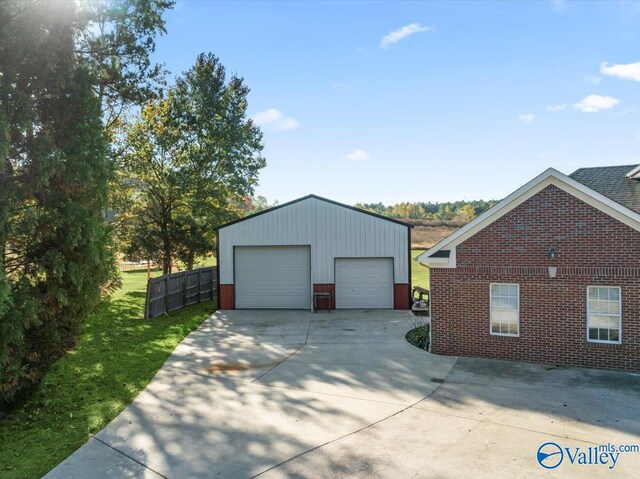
462	100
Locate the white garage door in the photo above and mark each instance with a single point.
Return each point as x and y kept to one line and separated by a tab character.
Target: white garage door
364	283
273	277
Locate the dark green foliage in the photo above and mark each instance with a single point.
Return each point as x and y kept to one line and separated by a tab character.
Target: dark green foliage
419	337
54	237
189	161
115	43
58	83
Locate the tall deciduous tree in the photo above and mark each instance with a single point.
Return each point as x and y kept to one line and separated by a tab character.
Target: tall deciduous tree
191	158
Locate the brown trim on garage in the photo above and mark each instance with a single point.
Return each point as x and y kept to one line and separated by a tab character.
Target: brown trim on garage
227	296
326	288
269	210
401	294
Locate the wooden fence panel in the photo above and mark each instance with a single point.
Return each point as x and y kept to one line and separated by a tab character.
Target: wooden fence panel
155	298
205	288
192	288
171	292
175	288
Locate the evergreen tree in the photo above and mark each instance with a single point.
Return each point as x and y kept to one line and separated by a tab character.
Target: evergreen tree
61	86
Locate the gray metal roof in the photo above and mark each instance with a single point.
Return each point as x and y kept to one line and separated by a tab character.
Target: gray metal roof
612	182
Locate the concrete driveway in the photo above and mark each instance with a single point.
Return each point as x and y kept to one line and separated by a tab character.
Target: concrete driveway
293	394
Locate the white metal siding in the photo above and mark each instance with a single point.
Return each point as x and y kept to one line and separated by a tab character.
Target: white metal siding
273	277
364	283
331	230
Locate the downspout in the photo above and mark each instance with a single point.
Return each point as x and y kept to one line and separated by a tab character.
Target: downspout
218	268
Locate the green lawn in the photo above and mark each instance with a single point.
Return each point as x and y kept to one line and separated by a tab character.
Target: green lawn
115	359
419	273
199	263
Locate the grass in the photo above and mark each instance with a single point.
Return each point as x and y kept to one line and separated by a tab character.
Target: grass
115	359
419	273
206	261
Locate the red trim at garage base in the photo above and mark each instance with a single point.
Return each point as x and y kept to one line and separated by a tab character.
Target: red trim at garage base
325	288
226	297
400	296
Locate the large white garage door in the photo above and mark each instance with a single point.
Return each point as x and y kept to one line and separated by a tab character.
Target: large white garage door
273	277
364	283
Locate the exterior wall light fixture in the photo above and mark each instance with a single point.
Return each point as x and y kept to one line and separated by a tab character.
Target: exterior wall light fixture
552	255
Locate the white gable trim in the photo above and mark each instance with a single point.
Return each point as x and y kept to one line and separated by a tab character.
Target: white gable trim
540	182
635	173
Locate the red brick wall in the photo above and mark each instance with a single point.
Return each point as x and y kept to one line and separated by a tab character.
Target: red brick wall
593	249
325	288
400	296
227	298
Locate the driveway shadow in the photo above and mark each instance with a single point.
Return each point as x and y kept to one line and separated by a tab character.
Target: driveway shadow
289	394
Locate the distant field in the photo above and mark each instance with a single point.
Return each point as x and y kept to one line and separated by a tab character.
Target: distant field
426	236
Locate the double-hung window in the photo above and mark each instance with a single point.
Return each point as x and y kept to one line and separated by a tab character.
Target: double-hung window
505	309
604	314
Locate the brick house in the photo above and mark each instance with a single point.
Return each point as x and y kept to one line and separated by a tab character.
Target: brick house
550	274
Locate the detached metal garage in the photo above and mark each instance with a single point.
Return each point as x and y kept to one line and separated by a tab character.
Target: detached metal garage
278	258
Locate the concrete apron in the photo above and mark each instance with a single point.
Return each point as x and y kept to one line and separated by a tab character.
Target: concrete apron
250	390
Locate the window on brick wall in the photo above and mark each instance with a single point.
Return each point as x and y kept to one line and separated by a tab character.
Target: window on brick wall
604	315
505	309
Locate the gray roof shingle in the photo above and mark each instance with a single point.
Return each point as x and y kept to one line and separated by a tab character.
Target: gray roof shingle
612	182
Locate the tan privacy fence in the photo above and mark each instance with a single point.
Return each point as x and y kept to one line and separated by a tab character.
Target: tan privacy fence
171	292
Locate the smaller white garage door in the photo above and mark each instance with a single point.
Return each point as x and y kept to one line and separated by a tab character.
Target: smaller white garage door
273	277
364	283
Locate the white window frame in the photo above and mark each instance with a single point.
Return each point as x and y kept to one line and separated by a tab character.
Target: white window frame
491	310
606	341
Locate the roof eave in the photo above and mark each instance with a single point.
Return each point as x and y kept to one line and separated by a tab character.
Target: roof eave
504	206
320	198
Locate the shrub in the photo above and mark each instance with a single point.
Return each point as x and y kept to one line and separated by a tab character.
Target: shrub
419	336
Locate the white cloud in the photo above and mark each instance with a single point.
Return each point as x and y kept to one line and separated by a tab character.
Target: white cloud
527	117
357	155
339	86
557	107
592	79
594	103
627	111
559	5
275	119
397	35
630	71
